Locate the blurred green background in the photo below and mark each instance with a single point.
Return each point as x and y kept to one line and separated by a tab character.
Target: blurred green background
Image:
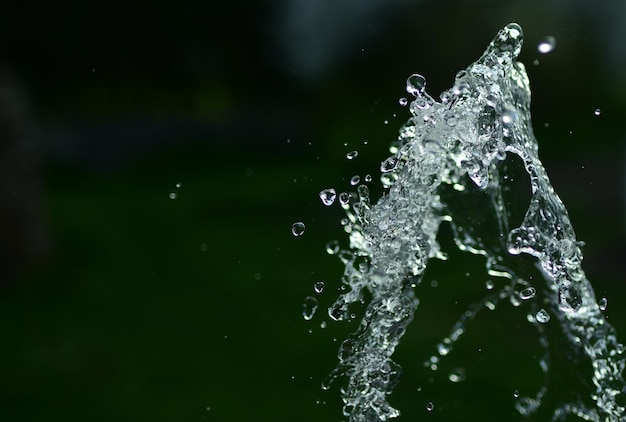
119	303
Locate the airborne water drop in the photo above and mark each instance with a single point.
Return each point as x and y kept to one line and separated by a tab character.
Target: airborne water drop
297	229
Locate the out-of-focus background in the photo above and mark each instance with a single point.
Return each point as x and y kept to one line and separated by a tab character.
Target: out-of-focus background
153	158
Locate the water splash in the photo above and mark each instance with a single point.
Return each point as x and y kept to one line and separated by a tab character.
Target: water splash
460	150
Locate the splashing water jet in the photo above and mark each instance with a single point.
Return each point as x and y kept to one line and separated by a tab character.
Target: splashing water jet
458	147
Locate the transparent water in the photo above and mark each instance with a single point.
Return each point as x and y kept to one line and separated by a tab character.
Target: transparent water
457	162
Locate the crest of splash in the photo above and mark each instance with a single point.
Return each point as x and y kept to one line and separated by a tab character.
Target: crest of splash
457	146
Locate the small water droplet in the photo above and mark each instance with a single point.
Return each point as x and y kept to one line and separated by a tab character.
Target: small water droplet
178	185
352	155
547	45
603	304
386	121
344	198
368	178
415	85
389	164
309	307
403	101
332	247
542	316
355	180
323	324
527	293
208	408
515	393
430	406
443	349
489	284
318	287
328	196
297	229
457	375
173	195
597	111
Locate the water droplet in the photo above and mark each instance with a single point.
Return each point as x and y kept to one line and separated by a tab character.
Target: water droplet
208	408
430	406
297	229
332	247
355	180
443	349
352	155
547	45
309	307
415	85
323	324
403	101
173	195
603	303
457	375
542	316
489	284
178	185
597	111
344	198
515	393
318	287
389	164
368	178
527	293
328	196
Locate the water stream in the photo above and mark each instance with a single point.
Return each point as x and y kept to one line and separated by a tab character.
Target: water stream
462	151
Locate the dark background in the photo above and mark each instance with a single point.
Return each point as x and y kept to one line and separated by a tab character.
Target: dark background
118	303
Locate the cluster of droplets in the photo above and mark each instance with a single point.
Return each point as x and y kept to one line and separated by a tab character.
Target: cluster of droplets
456	146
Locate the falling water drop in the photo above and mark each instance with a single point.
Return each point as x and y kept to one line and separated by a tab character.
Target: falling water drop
309	307
527	293
355	180
457	375
328	196
344	198
297	229
603	304
403	101
542	316
318	287
173	195
547	45
597	112
430	406
389	164
515	393
352	155
332	247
